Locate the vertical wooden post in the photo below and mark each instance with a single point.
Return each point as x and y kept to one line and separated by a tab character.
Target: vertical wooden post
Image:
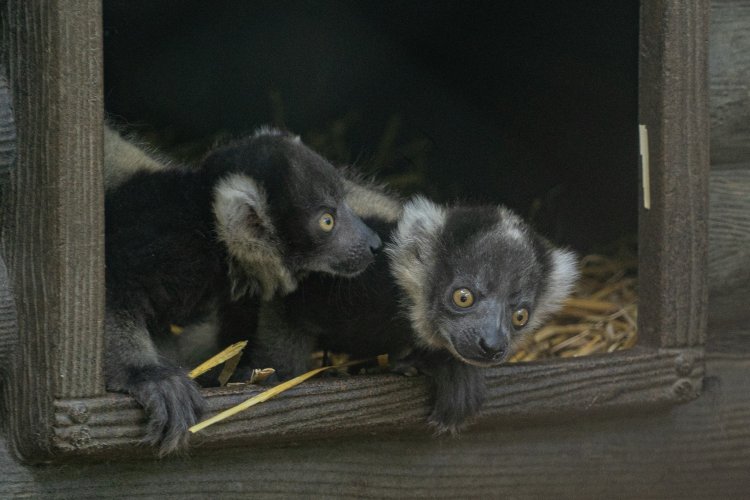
673	104
52	237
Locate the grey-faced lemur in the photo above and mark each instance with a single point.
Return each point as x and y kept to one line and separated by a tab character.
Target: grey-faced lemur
455	288
183	244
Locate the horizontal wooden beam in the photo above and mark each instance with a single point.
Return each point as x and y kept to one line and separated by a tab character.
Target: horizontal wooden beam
637	379
697	450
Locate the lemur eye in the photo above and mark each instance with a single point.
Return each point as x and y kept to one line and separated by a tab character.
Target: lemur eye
463	297
520	317
326	222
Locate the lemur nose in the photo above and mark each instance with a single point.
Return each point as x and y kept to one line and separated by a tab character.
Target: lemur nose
375	243
492	349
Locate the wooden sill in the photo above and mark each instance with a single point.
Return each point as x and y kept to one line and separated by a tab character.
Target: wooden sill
638	379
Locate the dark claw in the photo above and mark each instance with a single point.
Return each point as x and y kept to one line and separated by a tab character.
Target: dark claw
173	403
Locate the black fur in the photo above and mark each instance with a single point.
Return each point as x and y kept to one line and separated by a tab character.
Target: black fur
186	244
458	390
359	316
505	265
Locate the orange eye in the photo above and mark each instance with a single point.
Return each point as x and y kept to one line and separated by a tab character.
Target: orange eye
326	222
520	317
463	297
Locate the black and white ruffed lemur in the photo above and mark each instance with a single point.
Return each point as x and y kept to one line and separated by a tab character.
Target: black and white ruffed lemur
454	290
184	245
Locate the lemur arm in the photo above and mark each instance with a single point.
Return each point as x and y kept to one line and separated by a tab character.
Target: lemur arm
457	390
171	400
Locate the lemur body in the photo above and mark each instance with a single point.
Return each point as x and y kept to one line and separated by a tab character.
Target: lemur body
186	245
456	287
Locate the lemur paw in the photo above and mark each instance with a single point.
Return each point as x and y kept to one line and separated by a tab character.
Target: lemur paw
450	421
458	396
173	403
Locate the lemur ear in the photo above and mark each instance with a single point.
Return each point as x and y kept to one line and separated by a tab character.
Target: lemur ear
562	274
412	254
418	230
414	241
244	225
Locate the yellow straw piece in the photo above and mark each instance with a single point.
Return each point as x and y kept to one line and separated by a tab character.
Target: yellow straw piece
592	305
265	396
260	375
228	353
229	367
383	361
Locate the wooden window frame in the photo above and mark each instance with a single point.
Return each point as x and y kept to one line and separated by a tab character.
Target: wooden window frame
55	404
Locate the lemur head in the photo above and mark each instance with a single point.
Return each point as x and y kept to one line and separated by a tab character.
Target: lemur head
280	211
475	279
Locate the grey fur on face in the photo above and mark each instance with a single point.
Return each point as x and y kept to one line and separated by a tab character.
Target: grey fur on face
493	255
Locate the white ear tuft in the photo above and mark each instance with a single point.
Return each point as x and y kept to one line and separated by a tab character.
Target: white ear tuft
411	254
243	224
367	199
562	278
564	274
421	219
269	130
123	158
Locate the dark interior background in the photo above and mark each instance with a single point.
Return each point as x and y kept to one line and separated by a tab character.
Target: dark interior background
532	104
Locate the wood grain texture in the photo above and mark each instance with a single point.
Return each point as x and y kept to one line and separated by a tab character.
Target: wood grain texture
8	319
8	322
7	127
518	392
729	228
729	71
53	214
697	450
672	235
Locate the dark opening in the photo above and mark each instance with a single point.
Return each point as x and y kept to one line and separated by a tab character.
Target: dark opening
532	104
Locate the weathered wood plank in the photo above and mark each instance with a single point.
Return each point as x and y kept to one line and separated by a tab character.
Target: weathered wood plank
729	228
7	128
729	70
8	323
53	224
698	450
8	320
517	392
672	235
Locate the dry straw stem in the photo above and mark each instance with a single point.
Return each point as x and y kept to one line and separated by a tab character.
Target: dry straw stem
229	367
265	396
225	355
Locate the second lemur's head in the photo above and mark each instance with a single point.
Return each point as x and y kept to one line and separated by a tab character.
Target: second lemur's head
280	211
475	279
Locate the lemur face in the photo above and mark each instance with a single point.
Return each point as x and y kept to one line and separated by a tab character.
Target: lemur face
478	278
339	242
485	285
282	200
